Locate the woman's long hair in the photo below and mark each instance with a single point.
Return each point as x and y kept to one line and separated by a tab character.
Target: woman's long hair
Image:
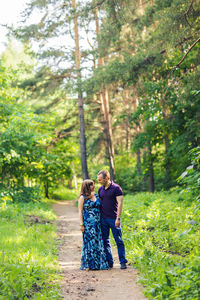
86	187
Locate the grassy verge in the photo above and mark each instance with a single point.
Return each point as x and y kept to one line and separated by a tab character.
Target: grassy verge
28	252
62	193
161	232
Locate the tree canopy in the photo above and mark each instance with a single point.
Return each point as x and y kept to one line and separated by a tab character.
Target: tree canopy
137	77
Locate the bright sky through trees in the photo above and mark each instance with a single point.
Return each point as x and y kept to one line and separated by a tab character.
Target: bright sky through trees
9	14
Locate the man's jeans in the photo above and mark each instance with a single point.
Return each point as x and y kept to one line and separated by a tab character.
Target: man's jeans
106	224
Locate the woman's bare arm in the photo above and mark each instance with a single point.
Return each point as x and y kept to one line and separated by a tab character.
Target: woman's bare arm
80	211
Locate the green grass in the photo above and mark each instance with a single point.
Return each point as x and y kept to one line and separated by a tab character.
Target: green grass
28	252
62	193
161	232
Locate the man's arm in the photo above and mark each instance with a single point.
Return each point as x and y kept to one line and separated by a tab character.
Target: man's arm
119	210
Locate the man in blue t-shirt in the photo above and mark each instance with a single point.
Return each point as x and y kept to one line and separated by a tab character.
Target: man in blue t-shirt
111	197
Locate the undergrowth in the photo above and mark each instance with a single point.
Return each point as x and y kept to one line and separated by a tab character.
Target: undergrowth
161	232
28	252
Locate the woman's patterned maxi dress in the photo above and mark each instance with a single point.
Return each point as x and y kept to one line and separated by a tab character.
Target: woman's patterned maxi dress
93	254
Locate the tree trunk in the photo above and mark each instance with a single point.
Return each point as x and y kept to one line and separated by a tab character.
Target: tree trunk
151	172
105	109
166	140
46	189
137	130
127	135
80	97
74	175
69	185
167	161
144	180
108	131
127	123
139	163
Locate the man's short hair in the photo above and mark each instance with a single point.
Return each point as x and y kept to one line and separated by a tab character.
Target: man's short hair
105	174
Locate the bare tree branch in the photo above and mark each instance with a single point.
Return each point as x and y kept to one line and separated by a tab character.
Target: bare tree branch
186	13
62	134
98	4
47	107
190	6
180	62
86	31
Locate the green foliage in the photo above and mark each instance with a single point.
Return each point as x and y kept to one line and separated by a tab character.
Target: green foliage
20	146
30	155
21	139
28	252
25	194
126	174
63	193
153	38
161	233
140	44
190	178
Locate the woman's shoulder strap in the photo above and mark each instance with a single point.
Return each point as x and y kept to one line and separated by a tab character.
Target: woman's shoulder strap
97	196
84	196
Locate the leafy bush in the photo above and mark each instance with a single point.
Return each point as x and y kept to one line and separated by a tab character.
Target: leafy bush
190	178
26	194
127	174
161	234
21	194
25	137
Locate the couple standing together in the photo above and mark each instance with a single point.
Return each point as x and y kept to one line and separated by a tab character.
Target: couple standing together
98	214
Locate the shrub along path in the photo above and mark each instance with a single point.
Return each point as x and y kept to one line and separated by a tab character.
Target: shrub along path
102	285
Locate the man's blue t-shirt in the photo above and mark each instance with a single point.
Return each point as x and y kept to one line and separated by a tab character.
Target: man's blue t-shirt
109	200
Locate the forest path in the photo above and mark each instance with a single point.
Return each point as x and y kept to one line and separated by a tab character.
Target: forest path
111	284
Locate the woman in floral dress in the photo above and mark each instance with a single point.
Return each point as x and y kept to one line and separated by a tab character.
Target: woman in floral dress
93	254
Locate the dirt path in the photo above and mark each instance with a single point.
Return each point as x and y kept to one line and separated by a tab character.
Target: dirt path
112	284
